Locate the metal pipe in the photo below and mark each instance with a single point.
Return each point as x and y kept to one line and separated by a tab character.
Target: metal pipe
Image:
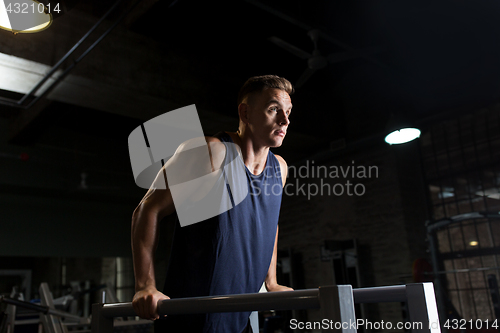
380	294
465	270
286	300
431	225
39	308
10	102
300	299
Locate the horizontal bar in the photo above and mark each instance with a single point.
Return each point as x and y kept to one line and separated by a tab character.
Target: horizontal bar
431	225
39	308
465	270
380	294
285	300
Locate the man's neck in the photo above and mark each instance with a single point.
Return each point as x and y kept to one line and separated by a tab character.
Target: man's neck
254	155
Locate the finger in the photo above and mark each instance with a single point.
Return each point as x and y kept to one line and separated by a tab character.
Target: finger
152	308
155	305
143	309
149	310
136	308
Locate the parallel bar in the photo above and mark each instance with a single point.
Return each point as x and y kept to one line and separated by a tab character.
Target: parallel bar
40	308
286	300
380	294
422	308
101	323
336	304
337	307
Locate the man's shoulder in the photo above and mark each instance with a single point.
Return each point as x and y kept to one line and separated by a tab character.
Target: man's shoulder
199	151
214	139
283	167
217	150
281	160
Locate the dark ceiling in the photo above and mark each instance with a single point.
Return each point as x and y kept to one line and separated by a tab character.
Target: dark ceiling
435	58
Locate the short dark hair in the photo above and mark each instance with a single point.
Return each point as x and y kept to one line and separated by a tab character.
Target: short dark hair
260	83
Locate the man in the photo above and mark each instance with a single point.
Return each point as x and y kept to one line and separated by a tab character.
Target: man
234	252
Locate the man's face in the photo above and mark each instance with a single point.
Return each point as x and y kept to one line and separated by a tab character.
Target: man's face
268	116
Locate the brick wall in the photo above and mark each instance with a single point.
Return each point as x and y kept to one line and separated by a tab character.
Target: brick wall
387	220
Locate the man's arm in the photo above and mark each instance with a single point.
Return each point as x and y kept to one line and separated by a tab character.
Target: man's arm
271	281
155	205
186	164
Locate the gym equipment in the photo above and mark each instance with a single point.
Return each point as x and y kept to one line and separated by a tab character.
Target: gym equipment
49	317
335	302
25	275
422	270
53	320
433	226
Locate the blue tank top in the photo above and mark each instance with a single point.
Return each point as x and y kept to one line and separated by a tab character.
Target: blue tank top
227	254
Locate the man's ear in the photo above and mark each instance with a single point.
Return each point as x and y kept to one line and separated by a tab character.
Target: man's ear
243	112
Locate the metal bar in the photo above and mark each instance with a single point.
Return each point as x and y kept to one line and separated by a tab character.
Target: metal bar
286	300
439	292
335	302
465	270
300	299
100	323
10	102
11	318
488	251
51	324
380	294
39	308
337	306
27	305
422	308
431	225
470	184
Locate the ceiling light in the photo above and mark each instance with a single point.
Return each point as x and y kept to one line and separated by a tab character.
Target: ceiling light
474	243
400	131
402	136
24	16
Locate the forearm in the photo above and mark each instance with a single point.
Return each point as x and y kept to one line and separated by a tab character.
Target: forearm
144	241
271	280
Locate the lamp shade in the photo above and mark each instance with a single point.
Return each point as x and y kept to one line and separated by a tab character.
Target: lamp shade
25	16
400	130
